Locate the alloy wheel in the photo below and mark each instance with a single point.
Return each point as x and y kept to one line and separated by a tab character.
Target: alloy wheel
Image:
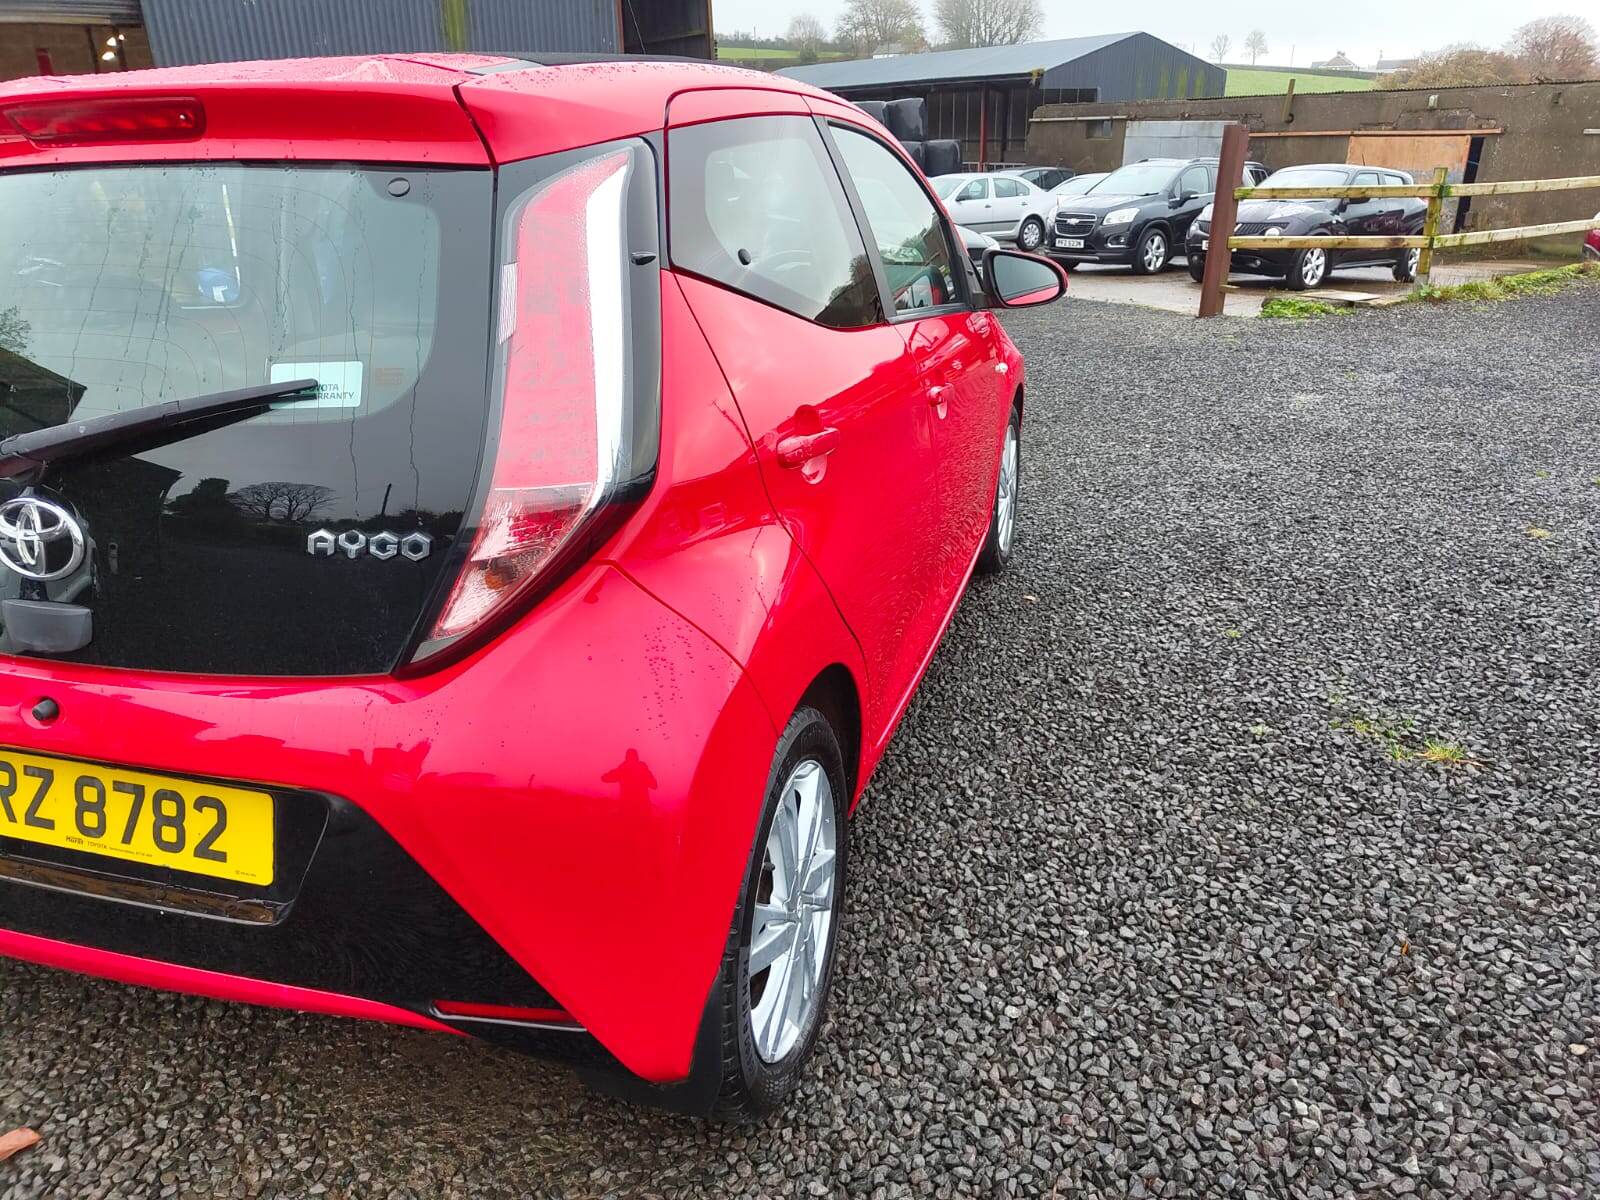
793	914
1005	502
1413	262
1155	253
1313	267
1032	235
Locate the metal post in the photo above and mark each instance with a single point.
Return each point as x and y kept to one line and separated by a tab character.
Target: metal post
1430	227
1224	216
983	129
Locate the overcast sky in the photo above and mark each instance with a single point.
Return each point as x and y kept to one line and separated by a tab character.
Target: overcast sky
1361	28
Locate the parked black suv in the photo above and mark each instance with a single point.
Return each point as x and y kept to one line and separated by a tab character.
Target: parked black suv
1138	214
1362	216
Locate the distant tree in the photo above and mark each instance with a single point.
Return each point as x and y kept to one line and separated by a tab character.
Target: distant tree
865	25
14	330
280	501
964	23
1461	65
806	32
1559	47
1219	47
1255	45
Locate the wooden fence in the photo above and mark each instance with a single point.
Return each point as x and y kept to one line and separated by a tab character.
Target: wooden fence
1225	211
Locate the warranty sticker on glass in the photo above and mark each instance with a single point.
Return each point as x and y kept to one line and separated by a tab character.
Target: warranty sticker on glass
338	383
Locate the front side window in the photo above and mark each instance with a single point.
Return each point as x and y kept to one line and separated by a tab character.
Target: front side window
904	221
1194	180
758	207
978	189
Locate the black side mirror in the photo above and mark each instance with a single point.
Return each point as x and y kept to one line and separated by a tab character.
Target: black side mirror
1013	279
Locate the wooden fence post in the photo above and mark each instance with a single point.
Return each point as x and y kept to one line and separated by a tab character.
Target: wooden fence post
1224	216
1430	227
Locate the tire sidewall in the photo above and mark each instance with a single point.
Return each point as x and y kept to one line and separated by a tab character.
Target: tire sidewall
992	559
808	735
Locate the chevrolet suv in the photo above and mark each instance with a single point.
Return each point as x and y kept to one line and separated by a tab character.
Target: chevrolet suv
1138	215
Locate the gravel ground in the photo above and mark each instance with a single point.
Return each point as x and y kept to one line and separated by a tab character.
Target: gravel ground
1153	894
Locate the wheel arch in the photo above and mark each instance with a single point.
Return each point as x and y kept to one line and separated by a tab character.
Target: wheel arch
835	695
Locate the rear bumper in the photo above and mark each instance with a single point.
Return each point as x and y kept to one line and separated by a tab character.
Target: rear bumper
560	822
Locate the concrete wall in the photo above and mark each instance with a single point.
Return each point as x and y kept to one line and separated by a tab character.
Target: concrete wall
1543	135
73	49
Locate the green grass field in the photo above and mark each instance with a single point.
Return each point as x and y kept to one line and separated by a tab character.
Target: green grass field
752	53
1248	81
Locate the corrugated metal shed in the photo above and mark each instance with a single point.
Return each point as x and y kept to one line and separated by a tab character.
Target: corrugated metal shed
199	31
940	66
70	12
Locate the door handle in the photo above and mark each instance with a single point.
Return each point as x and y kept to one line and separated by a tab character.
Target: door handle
798	449
936	395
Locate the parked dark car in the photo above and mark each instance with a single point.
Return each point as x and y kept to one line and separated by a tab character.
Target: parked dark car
1043	178
1369	216
1138	214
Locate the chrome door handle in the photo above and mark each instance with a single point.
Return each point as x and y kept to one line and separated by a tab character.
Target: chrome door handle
936	395
797	450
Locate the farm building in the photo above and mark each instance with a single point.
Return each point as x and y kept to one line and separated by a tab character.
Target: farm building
68	37
985	97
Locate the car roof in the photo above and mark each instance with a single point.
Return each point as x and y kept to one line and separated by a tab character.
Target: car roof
406	107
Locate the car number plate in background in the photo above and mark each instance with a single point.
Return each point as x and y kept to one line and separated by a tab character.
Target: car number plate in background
1070	243
223	832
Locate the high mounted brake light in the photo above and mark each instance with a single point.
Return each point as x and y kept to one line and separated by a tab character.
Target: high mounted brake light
565	378
116	119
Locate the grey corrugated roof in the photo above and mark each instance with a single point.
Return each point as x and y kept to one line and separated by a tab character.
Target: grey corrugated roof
985	62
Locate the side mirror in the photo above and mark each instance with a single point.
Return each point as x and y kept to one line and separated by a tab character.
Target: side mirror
1013	279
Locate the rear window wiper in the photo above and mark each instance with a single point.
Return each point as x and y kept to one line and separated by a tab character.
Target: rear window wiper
38	448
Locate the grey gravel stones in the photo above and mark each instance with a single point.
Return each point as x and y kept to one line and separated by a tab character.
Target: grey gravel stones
1155	894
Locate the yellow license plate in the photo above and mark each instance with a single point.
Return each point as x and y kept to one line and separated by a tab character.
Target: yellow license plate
223	832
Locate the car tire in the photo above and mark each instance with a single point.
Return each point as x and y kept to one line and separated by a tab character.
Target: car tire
1030	234
1197	266
1001	540
1405	267
1308	270
1153	253
764	1052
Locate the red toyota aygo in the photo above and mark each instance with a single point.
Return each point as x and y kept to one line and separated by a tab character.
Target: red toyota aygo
469	527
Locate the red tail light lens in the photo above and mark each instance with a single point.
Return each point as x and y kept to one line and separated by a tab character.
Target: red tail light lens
565	381
120	119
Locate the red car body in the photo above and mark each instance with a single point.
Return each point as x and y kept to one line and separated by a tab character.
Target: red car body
584	784
1591	244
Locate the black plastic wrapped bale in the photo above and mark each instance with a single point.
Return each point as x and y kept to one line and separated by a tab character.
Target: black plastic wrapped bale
907	119
873	108
917	151
941	157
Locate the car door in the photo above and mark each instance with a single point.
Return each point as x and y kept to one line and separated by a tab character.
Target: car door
974	206
1008	203
1363	217
832	400
1197	182
953	344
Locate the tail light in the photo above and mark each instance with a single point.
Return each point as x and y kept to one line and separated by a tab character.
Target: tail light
116	119
576	395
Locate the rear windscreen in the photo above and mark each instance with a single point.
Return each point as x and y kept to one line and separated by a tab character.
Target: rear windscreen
121	287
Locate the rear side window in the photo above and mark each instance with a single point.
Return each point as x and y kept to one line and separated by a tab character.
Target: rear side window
905	223
757	206
1007	188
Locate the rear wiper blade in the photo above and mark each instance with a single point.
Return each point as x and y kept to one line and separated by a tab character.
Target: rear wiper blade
38	448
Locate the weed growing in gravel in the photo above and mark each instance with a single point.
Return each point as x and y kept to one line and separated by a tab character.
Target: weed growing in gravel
1291	309
1233	633
1540	534
1399	738
1507	287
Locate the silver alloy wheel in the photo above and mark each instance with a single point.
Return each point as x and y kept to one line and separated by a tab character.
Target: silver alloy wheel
1005	500
794	913
1155	253
1313	267
1032	234
1413	261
